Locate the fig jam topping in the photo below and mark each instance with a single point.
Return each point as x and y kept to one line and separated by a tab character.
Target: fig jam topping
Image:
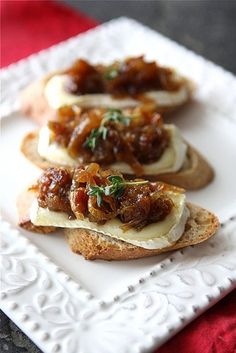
130	77
135	136
101	195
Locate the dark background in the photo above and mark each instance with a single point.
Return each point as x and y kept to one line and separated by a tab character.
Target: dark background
207	27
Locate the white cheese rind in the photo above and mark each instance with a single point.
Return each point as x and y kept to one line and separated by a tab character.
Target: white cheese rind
153	236
57	97
171	160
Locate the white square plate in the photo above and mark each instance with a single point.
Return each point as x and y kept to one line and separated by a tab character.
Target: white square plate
67	304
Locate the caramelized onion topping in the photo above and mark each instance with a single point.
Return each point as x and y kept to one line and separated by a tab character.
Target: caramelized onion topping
135	136
136	204
130	77
53	190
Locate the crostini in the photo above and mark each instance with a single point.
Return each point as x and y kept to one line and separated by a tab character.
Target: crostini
107	217
133	141
121	84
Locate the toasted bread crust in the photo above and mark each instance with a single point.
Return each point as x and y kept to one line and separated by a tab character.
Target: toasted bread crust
29	148
200	226
197	175
34	104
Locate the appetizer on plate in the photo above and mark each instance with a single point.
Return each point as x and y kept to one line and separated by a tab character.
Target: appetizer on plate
107	217
133	140
121	84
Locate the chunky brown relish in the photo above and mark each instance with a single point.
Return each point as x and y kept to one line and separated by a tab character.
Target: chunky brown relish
135	136
102	195
130	77
53	188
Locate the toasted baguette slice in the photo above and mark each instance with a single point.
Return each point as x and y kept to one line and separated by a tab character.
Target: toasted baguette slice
200	226
35	105
195	175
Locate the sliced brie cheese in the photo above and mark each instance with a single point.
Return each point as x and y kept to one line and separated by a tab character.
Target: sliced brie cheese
153	236
171	160
57	97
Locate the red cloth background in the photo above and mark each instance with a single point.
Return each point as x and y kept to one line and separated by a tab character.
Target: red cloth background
29	26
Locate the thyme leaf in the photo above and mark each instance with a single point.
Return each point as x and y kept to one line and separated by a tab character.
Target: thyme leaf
112	115
116	188
116	116
92	140
98	192
111	73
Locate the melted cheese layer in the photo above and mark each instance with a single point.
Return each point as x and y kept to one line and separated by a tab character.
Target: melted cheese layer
171	160
153	236
57	97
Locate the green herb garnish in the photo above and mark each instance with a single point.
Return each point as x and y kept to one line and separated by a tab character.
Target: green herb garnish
115	115
116	188
111	73
112	115
97	191
92	140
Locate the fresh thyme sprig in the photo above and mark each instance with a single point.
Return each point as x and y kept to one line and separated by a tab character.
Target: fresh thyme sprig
111	73
112	115
92	139
97	191
116	188
115	115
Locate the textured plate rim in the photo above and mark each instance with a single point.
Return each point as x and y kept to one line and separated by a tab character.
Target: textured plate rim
30	271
